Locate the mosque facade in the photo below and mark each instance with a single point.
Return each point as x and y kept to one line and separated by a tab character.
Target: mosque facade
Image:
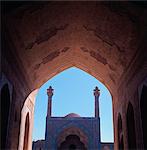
72	132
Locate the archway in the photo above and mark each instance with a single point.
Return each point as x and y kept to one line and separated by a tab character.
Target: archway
26	135
120	134
72	142
131	127
72	136
143	104
5	107
63	97
65	40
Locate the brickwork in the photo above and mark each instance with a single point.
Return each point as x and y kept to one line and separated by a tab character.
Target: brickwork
105	39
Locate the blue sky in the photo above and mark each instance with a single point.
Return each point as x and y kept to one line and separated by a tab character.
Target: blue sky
73	90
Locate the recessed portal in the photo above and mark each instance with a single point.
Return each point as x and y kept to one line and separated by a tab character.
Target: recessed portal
72	142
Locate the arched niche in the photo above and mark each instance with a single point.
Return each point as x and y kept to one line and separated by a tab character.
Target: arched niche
72	142
143	108
131	127
27	110
5	108
6	90
72	131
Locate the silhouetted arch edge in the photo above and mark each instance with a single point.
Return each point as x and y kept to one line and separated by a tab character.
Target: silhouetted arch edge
81	66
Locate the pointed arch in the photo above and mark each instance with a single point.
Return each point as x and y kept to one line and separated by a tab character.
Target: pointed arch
72	130
102	120
72	142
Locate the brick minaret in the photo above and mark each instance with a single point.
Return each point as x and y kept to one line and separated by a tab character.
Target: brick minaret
50	94
96	94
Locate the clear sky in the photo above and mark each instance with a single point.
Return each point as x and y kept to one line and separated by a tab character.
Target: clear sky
73	93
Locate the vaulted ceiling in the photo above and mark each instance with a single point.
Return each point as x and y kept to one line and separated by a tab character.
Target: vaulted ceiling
99	37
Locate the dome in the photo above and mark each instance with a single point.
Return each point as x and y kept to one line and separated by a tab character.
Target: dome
72	115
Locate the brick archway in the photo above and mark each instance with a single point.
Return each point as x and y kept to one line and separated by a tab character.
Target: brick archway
105	40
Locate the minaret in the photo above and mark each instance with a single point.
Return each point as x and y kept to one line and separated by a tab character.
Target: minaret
50	94
96	94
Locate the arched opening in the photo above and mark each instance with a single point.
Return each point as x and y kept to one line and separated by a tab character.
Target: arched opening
26	134
5	106
131	127
64	37
72	142
63	105
143	107
120	134
71	137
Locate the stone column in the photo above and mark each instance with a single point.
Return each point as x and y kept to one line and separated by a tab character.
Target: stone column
96	94
50	94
